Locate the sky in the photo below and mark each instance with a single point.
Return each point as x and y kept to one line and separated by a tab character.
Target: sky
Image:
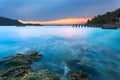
55	11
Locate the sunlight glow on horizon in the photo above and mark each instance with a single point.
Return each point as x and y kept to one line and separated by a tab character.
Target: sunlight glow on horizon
61	21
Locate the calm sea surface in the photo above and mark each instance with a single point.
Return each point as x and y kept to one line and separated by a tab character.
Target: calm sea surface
98	48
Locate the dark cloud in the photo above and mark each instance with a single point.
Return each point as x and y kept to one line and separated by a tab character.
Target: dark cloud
55	9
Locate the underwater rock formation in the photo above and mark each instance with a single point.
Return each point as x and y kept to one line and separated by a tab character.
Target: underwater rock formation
17	65
78	75
81	71
40	75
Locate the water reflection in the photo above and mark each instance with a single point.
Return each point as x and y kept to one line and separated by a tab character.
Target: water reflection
27	32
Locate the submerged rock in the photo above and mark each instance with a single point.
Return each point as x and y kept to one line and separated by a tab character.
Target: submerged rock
17	65
78	75
40	75
81	71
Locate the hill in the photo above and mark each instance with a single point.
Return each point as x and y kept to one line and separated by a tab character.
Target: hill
108	18
9	22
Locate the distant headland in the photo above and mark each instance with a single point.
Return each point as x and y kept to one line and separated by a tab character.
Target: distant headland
11	22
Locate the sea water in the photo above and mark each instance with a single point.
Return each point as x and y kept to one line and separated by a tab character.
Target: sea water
97	48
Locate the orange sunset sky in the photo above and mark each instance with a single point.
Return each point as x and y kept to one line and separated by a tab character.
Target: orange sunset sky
60	21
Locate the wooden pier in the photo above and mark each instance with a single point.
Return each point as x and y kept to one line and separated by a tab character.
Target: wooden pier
103	26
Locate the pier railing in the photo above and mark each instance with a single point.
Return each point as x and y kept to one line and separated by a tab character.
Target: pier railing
103	26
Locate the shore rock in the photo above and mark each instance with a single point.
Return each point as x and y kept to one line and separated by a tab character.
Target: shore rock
17	65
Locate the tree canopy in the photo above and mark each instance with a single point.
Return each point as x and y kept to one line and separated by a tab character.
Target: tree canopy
108	18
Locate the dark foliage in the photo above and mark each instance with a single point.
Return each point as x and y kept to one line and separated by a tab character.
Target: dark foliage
108	18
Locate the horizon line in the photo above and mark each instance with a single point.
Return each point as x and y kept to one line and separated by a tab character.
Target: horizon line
65	21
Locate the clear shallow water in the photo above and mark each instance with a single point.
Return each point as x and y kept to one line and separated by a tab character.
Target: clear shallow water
95	47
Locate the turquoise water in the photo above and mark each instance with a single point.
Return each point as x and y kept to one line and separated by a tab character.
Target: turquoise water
94	47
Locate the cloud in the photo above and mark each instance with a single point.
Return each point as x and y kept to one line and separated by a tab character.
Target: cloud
45	10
